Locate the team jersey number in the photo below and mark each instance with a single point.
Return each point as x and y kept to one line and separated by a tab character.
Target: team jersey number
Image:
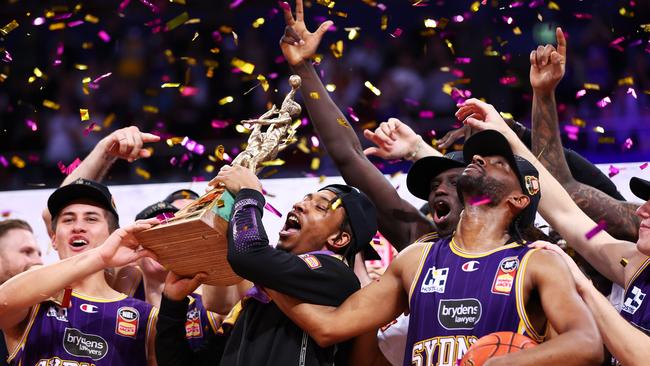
440	351
55	361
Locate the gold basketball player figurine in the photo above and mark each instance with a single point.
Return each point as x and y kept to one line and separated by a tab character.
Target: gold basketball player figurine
195	239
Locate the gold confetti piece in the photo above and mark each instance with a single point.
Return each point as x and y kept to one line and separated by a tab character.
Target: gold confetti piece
314	95
86	80
343	122
50	104
517	31
430	23
31	79
450	46
84	114
624	262
3	77
353	33
209	168
372	88
143	173
624	12
592	86
475	6
258	23
57	26
87	45
170	85
626	81
302	145
226	100
645	27
341	14
599	129
275	162
38	72
606	140
17	162
220	203
506	115
244	66
235	38
242	129
268	174
296	124
321	179
91	19
182	2
263	82
173	141
215	50
490	52
150	109
194	21
179	20
336	204
337	49
330	87
196	35
108	120
553	5
218	152
578	122
81	67
315	164
384	22
9	27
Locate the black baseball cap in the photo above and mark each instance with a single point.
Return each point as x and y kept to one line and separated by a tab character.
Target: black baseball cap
362	215
81	189
181	194
155	209
493	143
640	188
419	177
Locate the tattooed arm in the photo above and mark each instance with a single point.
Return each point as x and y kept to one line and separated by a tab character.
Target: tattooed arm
546	71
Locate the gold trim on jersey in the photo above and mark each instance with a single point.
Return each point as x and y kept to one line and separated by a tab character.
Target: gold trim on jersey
28	328
432	236
636	274
214	321
461	253
524	322
151	323
416	278
98	299
231	318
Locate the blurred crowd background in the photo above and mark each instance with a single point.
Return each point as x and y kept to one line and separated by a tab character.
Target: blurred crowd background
189	69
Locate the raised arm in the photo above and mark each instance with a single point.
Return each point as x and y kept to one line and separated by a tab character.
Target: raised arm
547	67
359	314
578	341
556	206
400	222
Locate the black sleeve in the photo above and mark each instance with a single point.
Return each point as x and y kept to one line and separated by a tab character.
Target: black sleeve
320	279
172	348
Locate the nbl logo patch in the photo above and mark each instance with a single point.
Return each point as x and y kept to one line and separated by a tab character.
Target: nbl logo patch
505	276
127	321
435	280
193	324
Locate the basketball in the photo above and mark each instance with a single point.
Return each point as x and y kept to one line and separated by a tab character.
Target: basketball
495	344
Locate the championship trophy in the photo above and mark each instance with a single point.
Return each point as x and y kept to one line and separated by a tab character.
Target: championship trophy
195	239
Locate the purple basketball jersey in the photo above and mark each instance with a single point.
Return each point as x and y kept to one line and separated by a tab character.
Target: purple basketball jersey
458	297
90	332
199	322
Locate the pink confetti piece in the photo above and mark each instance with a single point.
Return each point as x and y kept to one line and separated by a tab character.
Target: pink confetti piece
581	93
218	123
613	171
458	18
583	15
4	161
314	141
193	146
535	3
89	129
268	206
102	77
632	92
643	166
38	21
516	4
63	16
284	5
463	60
7	56
70	168
381	7
507	80
480	200
457	73
31	124
396	33
507	20
151	6
188	91
603	102
104	36
572	132
235	3
75	23
628	144
602	225
123	5
352	114
426	114
411	102
164	217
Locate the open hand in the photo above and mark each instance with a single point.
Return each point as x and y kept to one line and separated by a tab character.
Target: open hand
177	287
452	136
122	248
480	116
297	43
581	280
127	143
547	64
235	178
394	140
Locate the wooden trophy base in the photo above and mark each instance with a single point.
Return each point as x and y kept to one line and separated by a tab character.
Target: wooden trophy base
195	240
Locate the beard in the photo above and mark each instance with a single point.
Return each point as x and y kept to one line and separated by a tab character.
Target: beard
482	187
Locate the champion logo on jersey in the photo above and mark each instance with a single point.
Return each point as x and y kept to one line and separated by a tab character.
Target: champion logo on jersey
470	266
88	308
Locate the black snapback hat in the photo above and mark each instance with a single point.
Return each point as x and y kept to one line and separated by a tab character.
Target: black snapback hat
419	177
155	209
493	143
180	195
640	188
362	215
81	189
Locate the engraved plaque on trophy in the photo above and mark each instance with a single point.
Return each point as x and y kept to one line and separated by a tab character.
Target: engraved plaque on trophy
195	239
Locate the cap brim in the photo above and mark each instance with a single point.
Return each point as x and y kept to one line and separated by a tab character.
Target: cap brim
74	192
490	143
640	188
418	180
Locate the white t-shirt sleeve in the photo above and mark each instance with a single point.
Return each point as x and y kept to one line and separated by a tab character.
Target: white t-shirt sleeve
392	340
